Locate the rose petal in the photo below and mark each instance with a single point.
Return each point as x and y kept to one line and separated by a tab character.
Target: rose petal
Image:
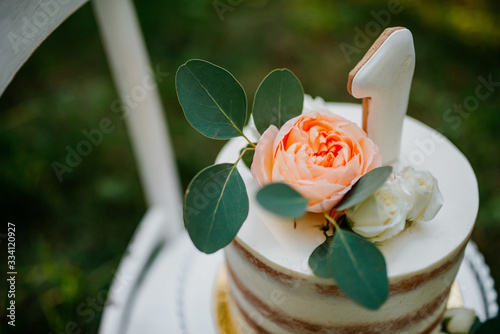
320	155
262	165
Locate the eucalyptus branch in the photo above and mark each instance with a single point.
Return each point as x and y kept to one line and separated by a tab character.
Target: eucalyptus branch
248	140
331	220
243	153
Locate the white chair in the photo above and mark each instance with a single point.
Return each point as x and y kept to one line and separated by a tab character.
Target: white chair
25	24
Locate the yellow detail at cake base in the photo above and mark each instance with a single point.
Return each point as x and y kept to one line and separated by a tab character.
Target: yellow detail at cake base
455	299
224	320
222	313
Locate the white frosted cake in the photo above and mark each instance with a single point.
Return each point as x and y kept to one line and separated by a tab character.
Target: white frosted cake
273	289
408	195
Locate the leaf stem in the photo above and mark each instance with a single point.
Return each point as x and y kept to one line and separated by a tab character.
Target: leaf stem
248	140
336	227
243	153
331	220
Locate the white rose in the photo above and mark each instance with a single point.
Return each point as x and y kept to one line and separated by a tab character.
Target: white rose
382	215
424	190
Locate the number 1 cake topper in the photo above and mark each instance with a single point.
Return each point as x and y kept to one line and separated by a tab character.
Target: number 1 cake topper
383	80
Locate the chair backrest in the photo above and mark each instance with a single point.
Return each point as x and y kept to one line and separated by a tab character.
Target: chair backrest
25	24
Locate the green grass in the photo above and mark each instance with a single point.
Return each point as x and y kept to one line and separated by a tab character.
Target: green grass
72	234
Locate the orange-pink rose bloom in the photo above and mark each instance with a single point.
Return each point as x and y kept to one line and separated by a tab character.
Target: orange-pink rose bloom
319	154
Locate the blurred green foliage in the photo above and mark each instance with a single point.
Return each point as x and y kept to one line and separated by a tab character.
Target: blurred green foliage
72	234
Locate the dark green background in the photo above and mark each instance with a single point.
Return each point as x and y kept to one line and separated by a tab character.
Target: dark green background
72	234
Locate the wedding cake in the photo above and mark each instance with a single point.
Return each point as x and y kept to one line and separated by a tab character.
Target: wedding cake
332	229
274	290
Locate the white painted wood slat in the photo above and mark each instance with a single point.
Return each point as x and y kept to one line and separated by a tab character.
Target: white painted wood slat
24	25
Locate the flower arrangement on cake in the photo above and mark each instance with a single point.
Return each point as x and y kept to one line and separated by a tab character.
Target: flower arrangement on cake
312	162
307	160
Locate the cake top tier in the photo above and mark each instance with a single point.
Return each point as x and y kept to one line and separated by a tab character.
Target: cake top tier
287	245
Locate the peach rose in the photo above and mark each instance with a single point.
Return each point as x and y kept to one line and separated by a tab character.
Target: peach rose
320	155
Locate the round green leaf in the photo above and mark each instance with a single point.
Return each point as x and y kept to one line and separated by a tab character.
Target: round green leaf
279	98
282	200
365	187
320	262
214	103
359	269
215	207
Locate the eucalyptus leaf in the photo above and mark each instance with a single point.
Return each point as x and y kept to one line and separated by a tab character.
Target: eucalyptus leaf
320	259
279	98
359	269
365	187
248	156
213	101
215	207
282	200
356	265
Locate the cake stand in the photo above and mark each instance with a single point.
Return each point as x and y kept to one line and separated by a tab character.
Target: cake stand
176	295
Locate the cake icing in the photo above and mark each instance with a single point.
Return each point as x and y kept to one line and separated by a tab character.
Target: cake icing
273	289
387	184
